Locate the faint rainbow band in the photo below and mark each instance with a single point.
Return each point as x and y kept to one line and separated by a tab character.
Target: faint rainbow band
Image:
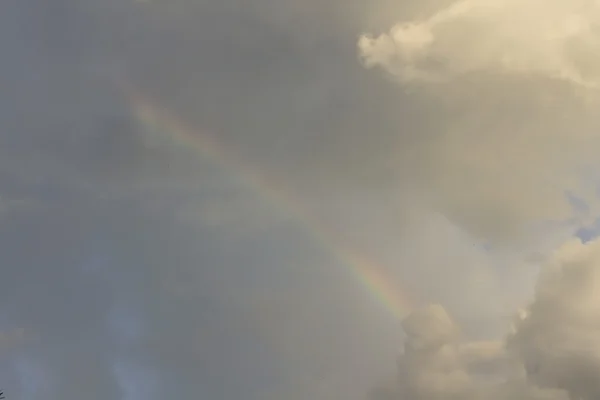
370	274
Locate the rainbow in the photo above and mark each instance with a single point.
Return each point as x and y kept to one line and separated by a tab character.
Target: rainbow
172	129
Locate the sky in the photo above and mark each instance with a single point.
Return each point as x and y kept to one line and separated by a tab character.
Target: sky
300	200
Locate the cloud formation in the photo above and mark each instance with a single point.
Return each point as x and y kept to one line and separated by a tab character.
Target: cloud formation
511	87
552	351
133	268
553	38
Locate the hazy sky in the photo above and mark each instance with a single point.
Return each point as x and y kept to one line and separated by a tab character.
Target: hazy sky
451	146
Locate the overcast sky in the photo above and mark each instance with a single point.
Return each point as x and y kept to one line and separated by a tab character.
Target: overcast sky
453	145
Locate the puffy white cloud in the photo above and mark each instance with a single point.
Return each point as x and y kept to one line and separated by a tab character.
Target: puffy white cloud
552	352
553	38
558	338
510	88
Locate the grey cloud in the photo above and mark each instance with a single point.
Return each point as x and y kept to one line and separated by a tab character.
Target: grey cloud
106	240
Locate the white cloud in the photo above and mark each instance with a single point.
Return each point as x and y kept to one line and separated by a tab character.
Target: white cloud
552	352
553	38
559	337
510	92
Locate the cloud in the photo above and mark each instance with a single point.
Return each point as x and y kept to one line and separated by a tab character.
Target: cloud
14	338
10	205
558	337
510	88
551	352
279	82
553	38
241	213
